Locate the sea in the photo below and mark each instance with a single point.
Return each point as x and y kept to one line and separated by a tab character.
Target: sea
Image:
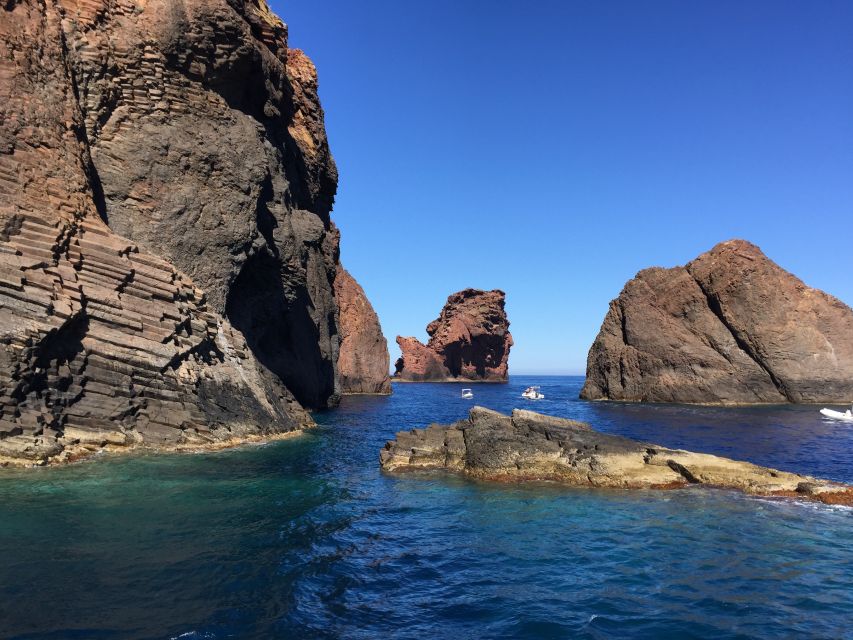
307	538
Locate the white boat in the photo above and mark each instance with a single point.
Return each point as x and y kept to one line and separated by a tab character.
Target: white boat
838	415
532	393
467	394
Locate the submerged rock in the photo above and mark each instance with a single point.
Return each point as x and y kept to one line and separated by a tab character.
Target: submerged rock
470	340
528	446
731	327
363	363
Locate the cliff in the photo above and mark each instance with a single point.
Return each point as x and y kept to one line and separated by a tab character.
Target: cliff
208	149
166	254
730	327
363	364
470	340
528	446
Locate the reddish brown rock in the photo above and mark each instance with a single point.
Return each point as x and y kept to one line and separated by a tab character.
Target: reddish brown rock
363	361
470	340
164	178
730	327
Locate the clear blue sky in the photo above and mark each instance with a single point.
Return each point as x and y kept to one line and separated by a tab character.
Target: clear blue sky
553	149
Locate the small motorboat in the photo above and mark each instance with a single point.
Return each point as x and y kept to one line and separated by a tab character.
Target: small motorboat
532	393
838	415
467	394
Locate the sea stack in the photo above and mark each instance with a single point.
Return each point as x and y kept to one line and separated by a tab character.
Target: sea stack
730	327
528	446
167	257
363	362
470	341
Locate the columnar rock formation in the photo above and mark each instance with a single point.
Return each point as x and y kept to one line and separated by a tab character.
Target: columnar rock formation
164	177
730	327
528	446
470	340
208	148
363	364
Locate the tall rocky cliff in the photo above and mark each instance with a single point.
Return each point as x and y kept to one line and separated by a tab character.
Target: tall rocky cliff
364	363
470	340
208	148
166	254
730	327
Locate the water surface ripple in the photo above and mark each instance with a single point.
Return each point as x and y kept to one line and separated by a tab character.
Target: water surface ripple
305	538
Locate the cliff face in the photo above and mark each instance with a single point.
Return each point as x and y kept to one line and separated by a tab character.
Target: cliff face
134	132
469	340
528	446
729	327
208	148
363	363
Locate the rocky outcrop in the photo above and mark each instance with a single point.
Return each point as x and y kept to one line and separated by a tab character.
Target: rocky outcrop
363	362
166	254
208	149
470	340
528	446
731	327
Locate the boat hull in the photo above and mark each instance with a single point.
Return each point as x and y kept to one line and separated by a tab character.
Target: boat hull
837	415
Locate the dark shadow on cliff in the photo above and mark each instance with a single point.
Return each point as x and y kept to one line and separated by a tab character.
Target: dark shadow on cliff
58	362
481	352
280	331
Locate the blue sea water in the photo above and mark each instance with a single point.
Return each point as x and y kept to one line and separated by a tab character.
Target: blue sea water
305	538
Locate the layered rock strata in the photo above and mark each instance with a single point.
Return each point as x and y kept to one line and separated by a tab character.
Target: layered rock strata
470	340
730	327
190	129
528	446
208	148
363	363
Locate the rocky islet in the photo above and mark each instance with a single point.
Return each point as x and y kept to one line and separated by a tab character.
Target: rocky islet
528	446
470	340
730	327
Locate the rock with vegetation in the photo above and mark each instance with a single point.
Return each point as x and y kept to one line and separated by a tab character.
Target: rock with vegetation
730	327
528	446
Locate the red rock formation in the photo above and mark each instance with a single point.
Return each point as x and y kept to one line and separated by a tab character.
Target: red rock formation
363	361
730	327
470	340
181	129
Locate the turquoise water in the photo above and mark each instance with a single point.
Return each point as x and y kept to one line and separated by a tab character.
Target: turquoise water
305	538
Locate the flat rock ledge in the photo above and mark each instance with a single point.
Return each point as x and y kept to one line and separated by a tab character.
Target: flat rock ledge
529	446
78	445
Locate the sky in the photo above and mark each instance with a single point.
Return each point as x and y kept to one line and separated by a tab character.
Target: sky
553	149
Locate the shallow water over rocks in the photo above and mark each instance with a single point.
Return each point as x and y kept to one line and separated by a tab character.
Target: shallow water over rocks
307	539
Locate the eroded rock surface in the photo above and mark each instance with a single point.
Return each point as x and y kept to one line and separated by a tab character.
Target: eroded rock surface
470	340
363	363
208	149
730	327
528	446
133	132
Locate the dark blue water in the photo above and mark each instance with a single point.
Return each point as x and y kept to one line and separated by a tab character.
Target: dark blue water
307	539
